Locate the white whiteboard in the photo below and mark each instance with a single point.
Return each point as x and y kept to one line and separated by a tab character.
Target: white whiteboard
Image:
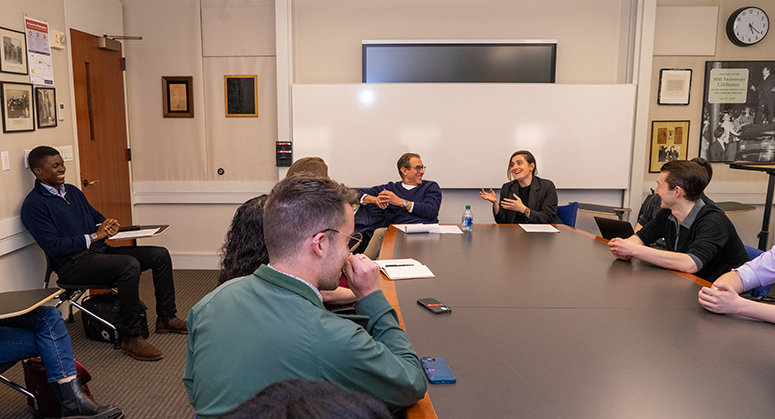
580	134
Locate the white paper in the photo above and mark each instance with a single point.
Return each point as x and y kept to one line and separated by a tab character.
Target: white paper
404	269
39	52
385	262
136	234
417	228
428	228
539	228
453	229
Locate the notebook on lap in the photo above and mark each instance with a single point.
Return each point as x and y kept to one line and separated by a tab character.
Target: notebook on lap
610	228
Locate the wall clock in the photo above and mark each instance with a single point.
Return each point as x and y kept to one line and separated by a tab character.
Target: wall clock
747	26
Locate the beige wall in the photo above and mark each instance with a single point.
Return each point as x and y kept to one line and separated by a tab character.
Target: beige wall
206	41
724	51
22	263
727	184
327	35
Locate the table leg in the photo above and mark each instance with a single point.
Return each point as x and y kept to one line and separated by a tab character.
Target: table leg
764	234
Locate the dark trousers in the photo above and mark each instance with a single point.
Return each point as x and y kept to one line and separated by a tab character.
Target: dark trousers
123	265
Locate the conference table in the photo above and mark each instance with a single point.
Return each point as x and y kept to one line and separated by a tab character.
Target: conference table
551	325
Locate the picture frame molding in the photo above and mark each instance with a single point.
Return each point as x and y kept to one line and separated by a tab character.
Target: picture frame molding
38	109
226	95
30	126
654	163
669	76
3	62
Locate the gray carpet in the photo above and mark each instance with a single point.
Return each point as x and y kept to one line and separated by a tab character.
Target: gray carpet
144	390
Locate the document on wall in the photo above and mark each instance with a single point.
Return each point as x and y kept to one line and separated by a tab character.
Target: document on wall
539	228
135	234
39	52
404	269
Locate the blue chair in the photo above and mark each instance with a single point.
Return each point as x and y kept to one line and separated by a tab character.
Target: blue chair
758	292
567	213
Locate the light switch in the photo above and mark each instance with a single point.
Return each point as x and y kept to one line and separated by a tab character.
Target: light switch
6	161
27	159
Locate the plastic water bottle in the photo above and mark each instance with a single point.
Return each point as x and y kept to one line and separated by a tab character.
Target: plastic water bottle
466	224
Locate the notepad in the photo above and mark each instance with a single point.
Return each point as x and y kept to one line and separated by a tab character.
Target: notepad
539	228
417	228
428	228
135	234
404	269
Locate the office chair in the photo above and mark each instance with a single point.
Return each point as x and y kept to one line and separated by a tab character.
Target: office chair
758	292
35	408
567	213
74	293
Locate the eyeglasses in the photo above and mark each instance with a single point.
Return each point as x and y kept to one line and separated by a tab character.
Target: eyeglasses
418	168
353	242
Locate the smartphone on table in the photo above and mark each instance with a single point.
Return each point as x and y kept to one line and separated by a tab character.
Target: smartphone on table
434	306
437	370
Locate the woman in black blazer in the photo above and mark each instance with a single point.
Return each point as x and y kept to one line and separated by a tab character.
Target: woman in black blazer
524	186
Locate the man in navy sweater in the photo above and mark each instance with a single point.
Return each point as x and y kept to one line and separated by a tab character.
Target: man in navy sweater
411	201
72	234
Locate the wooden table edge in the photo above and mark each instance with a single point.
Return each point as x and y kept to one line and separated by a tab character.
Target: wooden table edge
423	409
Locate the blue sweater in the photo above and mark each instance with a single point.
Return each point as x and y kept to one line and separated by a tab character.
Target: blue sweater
425	196
59	225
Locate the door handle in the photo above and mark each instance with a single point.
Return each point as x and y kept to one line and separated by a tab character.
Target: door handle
89	183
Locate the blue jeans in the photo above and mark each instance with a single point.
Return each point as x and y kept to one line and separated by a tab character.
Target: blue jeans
40	332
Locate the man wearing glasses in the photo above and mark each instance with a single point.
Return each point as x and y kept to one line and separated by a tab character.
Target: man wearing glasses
411	201
271	326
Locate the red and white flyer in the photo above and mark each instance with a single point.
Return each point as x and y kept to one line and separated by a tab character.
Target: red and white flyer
39	52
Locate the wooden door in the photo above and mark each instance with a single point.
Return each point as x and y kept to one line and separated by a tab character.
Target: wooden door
98	79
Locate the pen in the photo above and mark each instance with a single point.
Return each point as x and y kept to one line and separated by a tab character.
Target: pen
399	264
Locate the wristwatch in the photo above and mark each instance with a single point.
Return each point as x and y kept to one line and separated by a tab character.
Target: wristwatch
93	237
406	204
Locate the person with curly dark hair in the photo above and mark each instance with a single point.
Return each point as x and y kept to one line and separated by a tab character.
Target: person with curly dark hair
244	249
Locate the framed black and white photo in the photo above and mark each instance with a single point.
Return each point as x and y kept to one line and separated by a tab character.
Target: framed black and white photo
674	86
241	95
45	107
738	114
17	107
13	57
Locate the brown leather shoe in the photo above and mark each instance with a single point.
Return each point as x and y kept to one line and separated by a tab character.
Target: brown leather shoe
171	324
138	348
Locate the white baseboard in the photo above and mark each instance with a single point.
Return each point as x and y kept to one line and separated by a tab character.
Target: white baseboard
196	261
198	192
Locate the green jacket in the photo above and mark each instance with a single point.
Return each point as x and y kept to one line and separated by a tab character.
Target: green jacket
267	327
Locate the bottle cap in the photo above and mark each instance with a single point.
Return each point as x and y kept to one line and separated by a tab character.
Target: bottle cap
468	207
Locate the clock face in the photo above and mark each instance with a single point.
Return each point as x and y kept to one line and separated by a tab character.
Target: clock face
747	26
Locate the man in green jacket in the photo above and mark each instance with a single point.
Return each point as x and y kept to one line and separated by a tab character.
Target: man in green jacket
271	326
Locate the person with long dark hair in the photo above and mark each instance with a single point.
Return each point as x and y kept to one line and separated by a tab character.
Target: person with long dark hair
526	198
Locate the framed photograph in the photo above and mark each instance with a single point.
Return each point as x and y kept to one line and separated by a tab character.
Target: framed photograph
178	97
738	114
17	107
241	95
674	86
46	107
13	58
669	141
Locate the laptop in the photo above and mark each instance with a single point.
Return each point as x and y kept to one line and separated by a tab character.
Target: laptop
610	228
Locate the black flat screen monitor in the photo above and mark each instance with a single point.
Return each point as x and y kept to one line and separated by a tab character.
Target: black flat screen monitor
523	62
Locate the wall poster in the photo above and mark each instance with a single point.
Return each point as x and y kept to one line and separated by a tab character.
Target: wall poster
738	118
